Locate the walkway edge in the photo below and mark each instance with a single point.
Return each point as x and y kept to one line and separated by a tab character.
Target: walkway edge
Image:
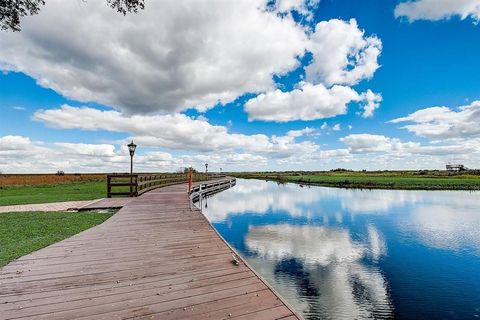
265	282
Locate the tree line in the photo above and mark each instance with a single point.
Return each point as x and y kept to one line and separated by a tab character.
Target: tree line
12	11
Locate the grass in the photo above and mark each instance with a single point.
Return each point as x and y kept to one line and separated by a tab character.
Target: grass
408	180
73	191
47	179
25	232
43	188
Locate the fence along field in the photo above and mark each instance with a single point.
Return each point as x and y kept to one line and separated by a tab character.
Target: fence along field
16	189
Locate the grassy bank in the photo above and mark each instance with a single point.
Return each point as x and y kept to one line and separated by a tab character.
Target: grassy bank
408	180
72	191
25	232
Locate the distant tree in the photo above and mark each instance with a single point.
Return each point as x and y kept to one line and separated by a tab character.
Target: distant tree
185	170
11	11
124	6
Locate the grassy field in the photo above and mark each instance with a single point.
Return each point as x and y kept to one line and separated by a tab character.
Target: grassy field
44	188
47	179
72	191
25	232
410	180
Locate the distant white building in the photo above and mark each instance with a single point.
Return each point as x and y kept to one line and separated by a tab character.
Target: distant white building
451	167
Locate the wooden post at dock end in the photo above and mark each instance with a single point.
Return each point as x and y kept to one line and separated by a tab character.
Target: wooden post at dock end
189	179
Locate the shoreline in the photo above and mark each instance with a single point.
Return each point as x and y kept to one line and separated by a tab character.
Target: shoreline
396	184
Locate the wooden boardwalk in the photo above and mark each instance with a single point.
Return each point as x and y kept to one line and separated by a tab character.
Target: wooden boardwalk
154	259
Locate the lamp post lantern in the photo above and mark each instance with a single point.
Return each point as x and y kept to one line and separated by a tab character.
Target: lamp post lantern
206	169
131	148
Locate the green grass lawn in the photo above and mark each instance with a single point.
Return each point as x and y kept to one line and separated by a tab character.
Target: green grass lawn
393	182
413	180
11	195
25	232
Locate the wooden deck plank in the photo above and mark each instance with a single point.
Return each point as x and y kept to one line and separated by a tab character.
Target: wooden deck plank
156	258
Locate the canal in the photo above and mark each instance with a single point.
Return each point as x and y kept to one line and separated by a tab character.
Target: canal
358	254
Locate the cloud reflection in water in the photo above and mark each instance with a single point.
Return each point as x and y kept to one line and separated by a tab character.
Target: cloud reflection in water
331	263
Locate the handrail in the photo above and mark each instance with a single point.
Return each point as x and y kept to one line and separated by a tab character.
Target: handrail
122	180
204	190
133	185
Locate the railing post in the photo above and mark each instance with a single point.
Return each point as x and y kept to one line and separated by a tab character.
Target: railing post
136	186
131	182
109	187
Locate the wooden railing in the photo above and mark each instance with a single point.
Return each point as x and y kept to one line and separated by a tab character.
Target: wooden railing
209	188
126	185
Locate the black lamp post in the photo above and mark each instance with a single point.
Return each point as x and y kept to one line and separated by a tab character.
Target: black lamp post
131	148
206	169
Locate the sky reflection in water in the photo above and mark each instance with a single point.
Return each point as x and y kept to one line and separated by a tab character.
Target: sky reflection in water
358	254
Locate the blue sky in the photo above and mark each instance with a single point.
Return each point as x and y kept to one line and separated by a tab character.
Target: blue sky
285	85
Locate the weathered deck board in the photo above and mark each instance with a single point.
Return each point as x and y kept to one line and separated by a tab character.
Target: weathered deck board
154	259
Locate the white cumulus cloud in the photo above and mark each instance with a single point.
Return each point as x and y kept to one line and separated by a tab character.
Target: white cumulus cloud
372	102
168	57
342	54
361	143
342	57
438	9
201	54
23	155
372	143
175	131
443	122
307	102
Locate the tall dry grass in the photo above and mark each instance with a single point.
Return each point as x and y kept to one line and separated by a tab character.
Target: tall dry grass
46	179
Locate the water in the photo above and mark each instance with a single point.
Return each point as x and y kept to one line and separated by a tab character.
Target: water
358	254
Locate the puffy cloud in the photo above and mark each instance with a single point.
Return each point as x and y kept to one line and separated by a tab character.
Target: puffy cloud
372	103
301	6
24	155
228	160
342	54
364	143
371	143
302	132
8	143
94	150
438	9
175	131
133	63
444	123
225	50
307	102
